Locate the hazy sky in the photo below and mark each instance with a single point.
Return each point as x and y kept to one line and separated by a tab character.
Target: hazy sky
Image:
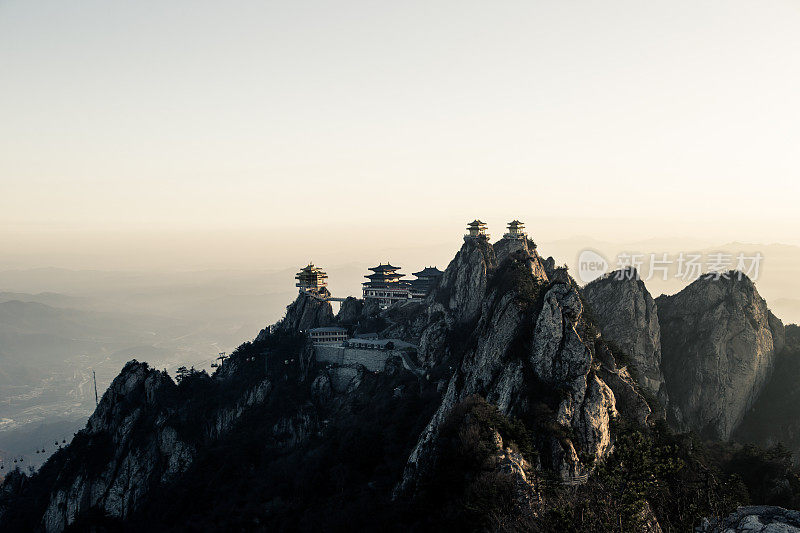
200	126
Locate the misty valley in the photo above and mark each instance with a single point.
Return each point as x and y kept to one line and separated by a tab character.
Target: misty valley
51	343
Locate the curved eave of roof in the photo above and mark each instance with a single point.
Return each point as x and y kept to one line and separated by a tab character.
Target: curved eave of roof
428	271
384	268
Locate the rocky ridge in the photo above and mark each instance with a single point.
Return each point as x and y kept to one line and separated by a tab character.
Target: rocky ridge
627	316
529	336
719	343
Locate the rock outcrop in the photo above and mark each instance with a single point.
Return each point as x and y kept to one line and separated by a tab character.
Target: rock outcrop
306	312
350	311
146	433
506	247
627	316
463	284
754	519
516	351
718	342
562	357
133	465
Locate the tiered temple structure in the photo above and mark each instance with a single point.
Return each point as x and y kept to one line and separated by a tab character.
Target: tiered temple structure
516	230
427	279
313	280
476	230
386	286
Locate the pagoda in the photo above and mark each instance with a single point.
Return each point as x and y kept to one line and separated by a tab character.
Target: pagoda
427	279
476	230
385	285
312	279
516	230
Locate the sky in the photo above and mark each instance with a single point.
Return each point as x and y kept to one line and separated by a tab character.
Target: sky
193	134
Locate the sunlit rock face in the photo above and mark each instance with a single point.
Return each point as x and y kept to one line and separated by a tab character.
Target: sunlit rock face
463	284
562	357
527	337
719	345
627	316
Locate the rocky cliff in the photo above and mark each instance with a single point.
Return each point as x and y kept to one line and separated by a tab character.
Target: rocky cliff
463	283
775	416
529	348
719	342
139	448
306	312
627	316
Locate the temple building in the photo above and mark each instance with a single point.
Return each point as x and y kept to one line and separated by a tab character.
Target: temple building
312	279
386	286
427	279
516	230
476	230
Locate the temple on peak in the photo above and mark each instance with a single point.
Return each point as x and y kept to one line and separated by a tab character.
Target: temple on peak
313	280
476	230
516	230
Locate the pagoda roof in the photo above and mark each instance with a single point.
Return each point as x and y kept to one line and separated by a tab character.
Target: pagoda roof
476	223
515	222
384	268
428	272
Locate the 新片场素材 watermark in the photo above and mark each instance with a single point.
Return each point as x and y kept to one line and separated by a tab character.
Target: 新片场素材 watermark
686	266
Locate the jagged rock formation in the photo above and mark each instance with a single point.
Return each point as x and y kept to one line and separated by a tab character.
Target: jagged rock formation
144	441
754	519
519	311
350	311
133	461
718	346
458	298
627	316
562	355
463	283
506	247
306	312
